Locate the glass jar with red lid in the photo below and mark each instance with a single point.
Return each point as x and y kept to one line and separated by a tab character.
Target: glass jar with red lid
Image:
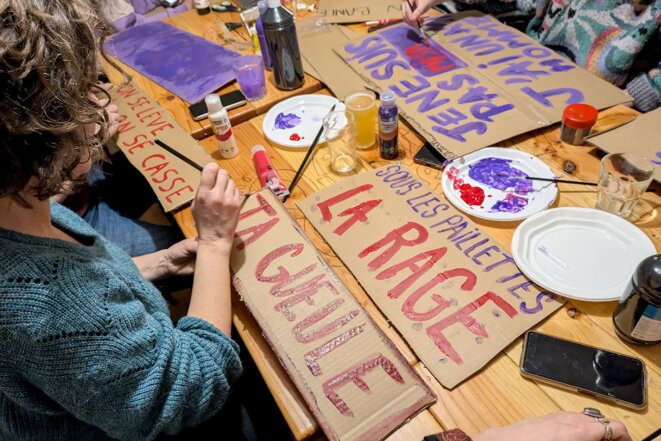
577	122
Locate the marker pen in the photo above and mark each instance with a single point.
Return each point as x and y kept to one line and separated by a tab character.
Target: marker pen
267	175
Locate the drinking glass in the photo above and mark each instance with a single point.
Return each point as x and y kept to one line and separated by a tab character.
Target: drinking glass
362	104
340	134
623	179
249	72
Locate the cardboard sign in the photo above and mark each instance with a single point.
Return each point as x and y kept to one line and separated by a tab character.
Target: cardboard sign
317	50
141	121
454	294
476	83
355	11
639	136
357	384
187	65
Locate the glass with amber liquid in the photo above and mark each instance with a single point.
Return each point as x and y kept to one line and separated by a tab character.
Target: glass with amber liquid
362	104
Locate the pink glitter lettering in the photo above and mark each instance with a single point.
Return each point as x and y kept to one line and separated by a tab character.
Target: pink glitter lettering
435	331
354	375
396	237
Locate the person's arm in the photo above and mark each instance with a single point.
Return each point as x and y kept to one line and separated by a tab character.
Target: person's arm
216	212
558	426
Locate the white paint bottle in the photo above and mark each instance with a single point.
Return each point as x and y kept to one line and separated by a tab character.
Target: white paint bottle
222	128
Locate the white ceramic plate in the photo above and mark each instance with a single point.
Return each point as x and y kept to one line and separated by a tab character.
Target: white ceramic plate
490	184
295	122
580	253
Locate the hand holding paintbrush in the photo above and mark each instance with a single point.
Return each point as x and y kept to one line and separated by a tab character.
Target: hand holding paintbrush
412	15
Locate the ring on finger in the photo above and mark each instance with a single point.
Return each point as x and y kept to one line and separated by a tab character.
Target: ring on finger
608	430
594	413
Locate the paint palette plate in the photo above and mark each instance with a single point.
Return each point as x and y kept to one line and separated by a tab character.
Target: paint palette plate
296	121
580	253
490	184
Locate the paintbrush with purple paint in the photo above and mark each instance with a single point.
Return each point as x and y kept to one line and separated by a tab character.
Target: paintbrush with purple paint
562	181
423	36
305	159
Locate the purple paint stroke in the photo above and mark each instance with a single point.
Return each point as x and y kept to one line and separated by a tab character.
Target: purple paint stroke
511	204
429	60
286	121
186	65
499	174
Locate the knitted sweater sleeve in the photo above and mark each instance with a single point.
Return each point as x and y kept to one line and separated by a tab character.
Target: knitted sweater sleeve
145	376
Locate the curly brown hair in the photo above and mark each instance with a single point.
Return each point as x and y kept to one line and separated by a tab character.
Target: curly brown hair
48	68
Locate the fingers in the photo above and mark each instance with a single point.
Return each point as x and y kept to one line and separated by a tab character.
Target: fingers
620	432
222	180
208	177
407	14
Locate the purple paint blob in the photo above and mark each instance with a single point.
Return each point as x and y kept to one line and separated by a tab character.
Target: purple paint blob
187	65
287	121
499	174
511	204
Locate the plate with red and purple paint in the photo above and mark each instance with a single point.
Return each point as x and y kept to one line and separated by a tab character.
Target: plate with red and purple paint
295	122
492	184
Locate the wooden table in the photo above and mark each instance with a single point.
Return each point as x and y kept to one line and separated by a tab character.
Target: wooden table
207	26
497	395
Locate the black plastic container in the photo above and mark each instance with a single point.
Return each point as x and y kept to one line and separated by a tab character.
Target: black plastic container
637	318
280	33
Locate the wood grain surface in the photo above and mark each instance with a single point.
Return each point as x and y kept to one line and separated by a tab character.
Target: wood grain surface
497	395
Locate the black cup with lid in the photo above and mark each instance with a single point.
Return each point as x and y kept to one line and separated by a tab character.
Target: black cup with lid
637	318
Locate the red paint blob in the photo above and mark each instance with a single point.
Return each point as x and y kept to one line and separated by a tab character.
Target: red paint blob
471	195
294	137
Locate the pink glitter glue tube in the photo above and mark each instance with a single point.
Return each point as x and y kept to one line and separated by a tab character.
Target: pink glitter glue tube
267	175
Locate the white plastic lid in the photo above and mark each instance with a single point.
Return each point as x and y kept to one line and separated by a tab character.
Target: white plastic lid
257	148
387	98
274	3
213	103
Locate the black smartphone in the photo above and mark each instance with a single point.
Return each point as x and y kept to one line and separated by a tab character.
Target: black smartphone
429	156
585	369
230	100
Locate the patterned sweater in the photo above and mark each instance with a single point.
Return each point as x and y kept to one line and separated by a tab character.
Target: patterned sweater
608	38
89	351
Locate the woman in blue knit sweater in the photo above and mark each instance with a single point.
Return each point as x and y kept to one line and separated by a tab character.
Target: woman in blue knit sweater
89	349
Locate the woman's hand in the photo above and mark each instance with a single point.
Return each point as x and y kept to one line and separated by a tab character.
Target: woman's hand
558	426
414	17
216	207
179	259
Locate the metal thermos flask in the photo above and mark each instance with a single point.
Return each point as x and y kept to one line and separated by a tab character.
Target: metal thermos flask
280	33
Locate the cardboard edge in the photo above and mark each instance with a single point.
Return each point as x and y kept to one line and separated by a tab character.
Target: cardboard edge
380	432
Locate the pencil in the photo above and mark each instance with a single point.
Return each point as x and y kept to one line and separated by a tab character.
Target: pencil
178	155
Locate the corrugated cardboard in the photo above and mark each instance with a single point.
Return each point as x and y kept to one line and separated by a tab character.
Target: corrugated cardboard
356	11
478	81
642	136
141	121
357	384
317	45
454	294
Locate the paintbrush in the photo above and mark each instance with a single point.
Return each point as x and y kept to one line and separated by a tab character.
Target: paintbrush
423	36
305	160
178	155
192	163
562	181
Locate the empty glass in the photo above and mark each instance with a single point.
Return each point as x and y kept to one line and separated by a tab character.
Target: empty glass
249	72
623	179
340	134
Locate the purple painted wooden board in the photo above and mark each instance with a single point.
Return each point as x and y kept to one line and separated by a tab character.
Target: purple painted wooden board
186	65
